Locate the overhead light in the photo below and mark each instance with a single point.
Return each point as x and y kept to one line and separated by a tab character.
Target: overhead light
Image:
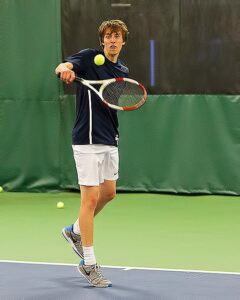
120	4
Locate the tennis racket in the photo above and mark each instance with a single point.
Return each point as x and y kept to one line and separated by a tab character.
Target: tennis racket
118	93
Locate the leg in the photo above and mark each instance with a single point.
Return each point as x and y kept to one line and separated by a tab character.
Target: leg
89	200
107	193
94	164
88	267
110	171
86	162
93	199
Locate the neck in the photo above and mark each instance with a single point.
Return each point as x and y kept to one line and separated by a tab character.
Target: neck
112	58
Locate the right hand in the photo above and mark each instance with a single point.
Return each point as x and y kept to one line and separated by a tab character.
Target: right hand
65	74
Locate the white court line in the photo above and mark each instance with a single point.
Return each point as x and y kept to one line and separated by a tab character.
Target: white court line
124	268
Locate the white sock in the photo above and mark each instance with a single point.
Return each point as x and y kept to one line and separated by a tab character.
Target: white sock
89	257
76	228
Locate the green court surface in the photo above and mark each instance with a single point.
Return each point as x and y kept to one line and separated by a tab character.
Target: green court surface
136	230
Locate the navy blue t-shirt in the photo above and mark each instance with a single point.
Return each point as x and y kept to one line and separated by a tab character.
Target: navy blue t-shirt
95	123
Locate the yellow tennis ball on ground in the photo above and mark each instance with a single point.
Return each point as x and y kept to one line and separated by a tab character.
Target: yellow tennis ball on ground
99	59
1	189
60	204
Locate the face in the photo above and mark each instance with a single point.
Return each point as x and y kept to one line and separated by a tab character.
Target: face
112	42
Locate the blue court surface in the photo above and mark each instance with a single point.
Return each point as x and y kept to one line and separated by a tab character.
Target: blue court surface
24	280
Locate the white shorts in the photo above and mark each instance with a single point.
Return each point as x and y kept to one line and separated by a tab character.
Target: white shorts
96	163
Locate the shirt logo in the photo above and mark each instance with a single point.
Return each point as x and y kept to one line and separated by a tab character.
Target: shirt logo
124	69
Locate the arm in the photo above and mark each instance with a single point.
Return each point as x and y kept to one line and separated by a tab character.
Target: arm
65	72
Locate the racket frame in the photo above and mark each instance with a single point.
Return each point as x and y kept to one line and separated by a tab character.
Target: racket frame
106	82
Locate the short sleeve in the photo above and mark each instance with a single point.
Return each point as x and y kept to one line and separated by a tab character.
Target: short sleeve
80	61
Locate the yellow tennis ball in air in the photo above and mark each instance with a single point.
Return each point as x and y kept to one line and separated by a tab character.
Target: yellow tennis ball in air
1	189
60	204
99	59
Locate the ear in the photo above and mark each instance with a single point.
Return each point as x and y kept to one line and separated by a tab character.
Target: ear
123	43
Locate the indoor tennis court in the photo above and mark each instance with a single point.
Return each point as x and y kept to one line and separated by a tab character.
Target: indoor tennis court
172	231
193	239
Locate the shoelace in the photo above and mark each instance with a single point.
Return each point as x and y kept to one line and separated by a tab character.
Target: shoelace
97	269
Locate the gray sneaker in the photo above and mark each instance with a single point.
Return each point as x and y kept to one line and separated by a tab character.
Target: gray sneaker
94	275
73	239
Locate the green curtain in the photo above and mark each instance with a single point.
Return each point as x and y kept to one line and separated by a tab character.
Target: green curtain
30	109
183	144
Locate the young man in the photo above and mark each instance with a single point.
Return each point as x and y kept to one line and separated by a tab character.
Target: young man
94	138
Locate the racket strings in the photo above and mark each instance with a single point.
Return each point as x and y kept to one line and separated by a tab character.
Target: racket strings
123	93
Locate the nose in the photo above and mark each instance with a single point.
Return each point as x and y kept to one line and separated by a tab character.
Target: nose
113	39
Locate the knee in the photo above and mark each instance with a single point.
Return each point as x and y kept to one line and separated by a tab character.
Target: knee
90	203
110	196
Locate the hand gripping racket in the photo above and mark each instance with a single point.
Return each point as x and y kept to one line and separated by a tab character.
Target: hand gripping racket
118	93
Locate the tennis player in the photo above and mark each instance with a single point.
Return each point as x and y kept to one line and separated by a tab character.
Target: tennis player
95	140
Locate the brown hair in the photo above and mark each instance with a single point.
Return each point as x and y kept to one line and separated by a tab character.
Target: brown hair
114	25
